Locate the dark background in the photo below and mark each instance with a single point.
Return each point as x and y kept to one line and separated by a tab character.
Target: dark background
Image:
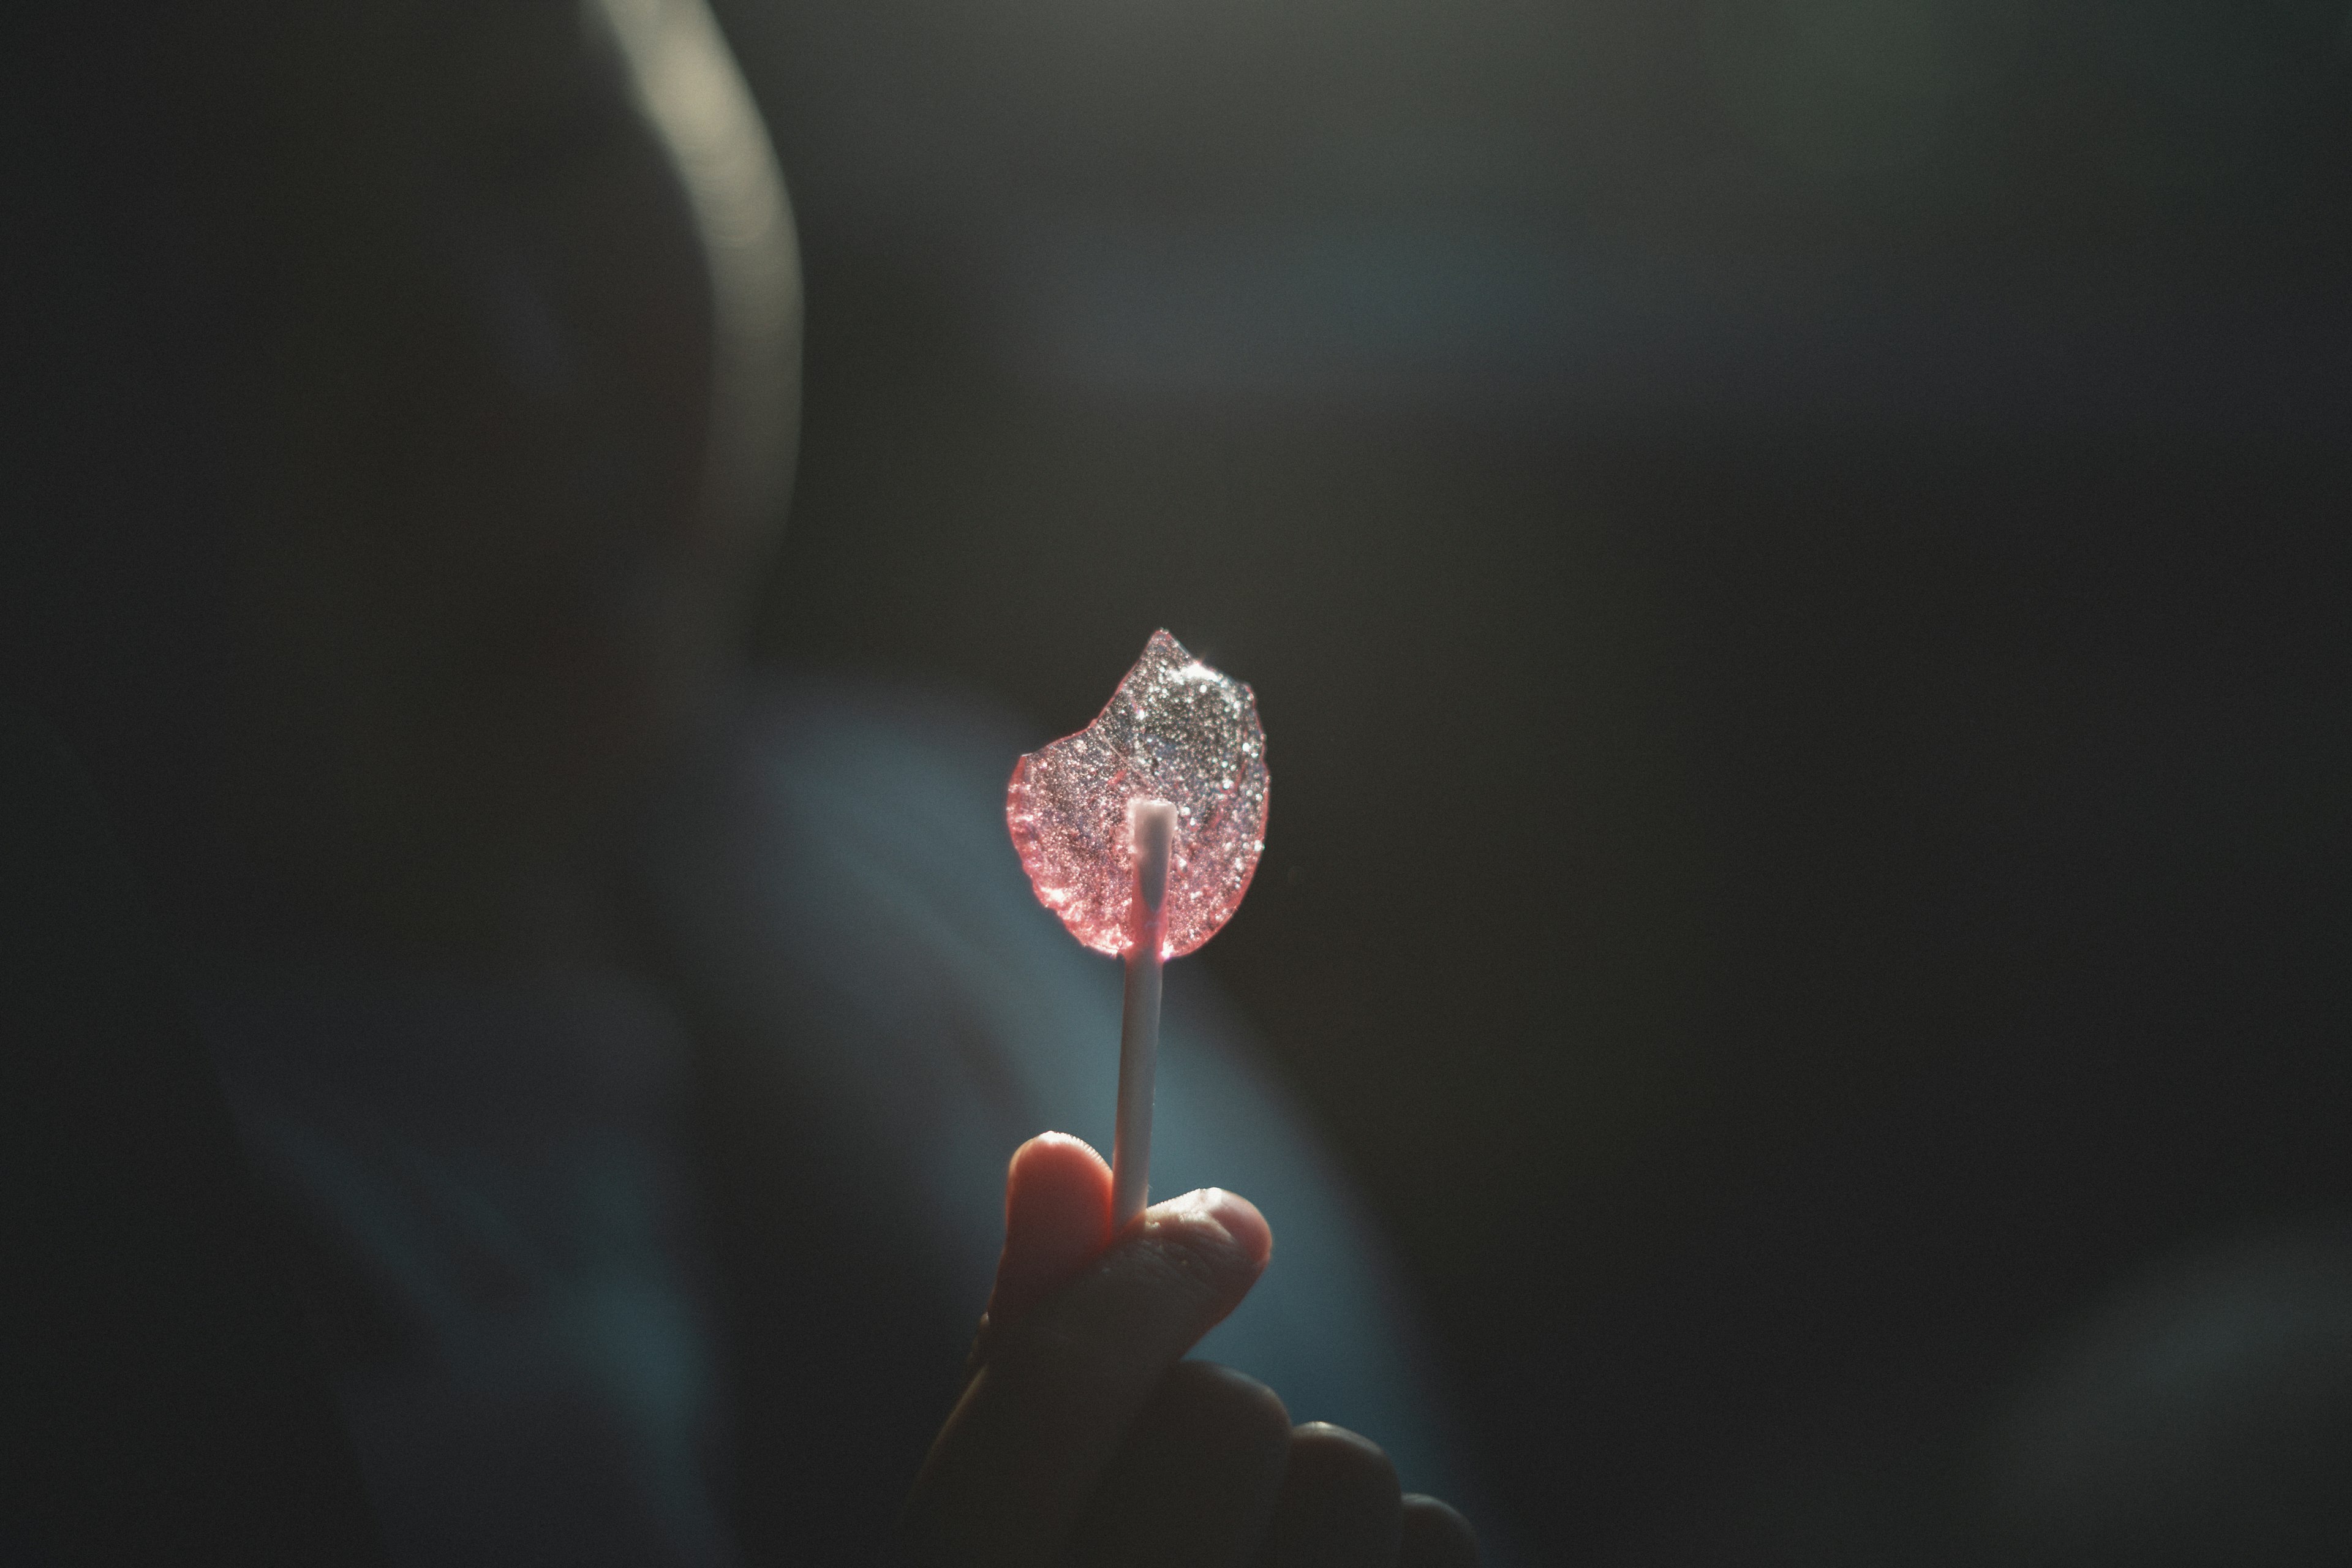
1792	558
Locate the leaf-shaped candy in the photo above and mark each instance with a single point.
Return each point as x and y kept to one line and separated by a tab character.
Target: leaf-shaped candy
1174	731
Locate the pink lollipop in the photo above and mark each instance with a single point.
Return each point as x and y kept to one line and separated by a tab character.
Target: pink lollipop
1141	832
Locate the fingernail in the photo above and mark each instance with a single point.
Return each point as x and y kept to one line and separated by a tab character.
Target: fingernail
1236	1217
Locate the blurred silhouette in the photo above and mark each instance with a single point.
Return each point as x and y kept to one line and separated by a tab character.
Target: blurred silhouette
628	1058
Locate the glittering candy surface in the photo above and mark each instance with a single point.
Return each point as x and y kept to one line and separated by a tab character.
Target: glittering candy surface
1174	731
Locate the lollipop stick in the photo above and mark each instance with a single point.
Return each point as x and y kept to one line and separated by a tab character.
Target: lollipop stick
1153	825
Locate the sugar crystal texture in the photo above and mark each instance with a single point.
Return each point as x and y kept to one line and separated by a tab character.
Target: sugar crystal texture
1174	731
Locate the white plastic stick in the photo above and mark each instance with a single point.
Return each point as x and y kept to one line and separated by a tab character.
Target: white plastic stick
1153	825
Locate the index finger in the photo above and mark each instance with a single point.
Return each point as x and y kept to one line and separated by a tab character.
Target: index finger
1039	1425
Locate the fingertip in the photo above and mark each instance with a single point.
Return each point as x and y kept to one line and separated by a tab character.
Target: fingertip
1433	1535
1070	1143
1057	1155
1233	1214
1340	1502
1196	1477
1056	1183
1056	1220
1242	1222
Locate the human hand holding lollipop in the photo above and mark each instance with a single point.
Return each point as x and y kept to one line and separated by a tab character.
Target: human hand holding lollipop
1082	1436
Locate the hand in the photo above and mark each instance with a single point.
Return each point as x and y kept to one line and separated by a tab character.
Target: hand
1083	1438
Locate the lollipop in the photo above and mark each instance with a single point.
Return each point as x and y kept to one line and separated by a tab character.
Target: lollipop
1141	832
